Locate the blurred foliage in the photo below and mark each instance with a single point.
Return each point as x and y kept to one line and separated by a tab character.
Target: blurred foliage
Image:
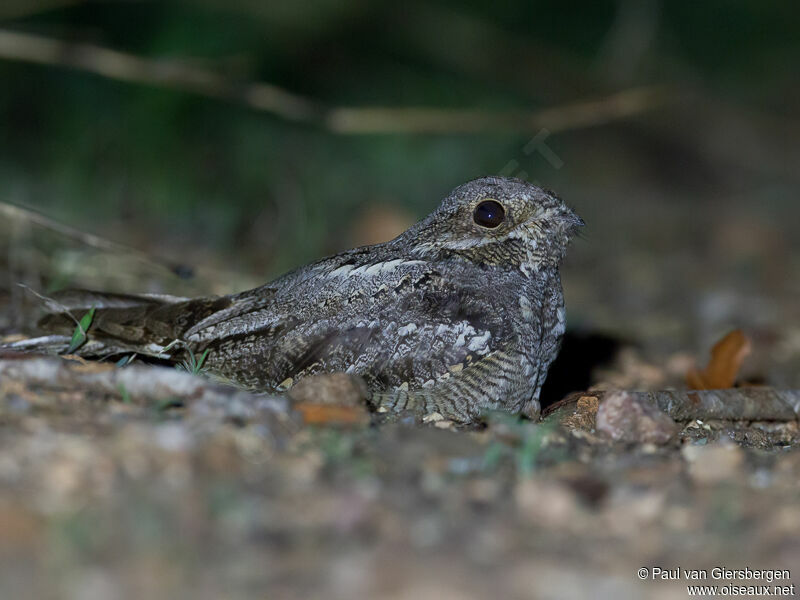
182	168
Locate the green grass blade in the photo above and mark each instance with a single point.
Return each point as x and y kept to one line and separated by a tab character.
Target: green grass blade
201	360
81	333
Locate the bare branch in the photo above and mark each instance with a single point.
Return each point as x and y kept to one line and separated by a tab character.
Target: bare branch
184	76
17	9
735	404
165	73
561	118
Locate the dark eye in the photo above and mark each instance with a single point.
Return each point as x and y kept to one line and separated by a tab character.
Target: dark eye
489	214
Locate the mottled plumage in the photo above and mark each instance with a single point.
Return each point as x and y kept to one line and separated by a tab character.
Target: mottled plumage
460	314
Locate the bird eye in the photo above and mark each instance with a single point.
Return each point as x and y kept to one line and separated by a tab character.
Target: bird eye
489	214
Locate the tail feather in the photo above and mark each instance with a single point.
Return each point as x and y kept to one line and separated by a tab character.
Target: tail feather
147	324
69	300
121	322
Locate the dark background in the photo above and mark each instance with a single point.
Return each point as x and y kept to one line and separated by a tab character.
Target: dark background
673	128
690	197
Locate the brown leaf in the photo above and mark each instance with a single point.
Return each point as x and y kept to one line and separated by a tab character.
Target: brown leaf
726	360
583	417
329	414
330	399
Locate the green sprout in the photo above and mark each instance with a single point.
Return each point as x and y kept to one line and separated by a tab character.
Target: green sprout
126	360
81	333
529	441
193	365
125	394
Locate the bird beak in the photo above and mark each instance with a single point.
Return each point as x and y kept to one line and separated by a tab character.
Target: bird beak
572	222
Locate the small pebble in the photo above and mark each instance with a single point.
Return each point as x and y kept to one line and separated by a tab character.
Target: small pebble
624	417
713	463
340	389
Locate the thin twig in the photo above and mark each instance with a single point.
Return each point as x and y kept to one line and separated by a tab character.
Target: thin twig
18	9
164	73
187	77
561	118
12	211
51	304
735	404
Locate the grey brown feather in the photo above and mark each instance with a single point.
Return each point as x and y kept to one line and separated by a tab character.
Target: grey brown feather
452	316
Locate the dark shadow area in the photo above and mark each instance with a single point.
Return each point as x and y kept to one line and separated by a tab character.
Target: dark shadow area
581	353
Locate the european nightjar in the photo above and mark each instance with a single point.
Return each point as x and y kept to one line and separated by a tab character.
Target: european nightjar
460	314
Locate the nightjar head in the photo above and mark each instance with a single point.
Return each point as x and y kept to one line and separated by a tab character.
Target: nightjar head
498	220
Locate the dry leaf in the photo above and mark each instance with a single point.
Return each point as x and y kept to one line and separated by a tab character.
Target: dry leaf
584	415
331	399
726	360
329	414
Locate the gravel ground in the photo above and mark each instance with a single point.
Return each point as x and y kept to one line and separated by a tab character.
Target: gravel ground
106	494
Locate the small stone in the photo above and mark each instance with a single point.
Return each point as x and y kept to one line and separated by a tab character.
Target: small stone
483	490
713	463
628	510
547	503
625	417
432	418
336	389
